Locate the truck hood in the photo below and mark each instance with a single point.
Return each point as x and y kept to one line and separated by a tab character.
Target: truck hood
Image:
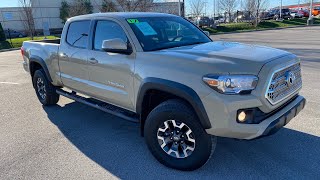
228	56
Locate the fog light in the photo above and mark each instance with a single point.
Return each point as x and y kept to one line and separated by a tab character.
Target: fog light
242	116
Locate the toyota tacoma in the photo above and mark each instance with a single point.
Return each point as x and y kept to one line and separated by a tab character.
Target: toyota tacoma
165	73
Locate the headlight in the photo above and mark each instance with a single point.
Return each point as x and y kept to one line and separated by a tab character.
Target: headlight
232	84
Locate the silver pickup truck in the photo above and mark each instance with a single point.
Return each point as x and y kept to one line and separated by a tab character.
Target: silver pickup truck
165	73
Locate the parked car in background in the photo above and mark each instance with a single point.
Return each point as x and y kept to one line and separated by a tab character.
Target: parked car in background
270	14
14	34
275	14
220	19
304	12
205	21
316	11
296	14
285	14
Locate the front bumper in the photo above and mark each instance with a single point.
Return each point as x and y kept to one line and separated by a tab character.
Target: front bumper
222	113
285	118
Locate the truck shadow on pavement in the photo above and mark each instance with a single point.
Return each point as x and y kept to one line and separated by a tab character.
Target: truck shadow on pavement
117	146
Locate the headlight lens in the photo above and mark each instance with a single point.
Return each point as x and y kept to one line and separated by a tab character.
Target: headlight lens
232	84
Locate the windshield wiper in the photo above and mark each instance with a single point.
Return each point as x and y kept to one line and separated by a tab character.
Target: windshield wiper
194	43
169	47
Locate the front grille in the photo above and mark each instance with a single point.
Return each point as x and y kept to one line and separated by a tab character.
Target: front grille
284	83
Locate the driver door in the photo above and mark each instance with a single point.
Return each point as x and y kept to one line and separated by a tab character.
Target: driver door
110	74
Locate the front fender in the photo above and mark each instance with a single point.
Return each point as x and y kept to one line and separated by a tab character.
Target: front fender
177	89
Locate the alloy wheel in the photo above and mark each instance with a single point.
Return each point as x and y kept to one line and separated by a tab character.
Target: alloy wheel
176	139
41	87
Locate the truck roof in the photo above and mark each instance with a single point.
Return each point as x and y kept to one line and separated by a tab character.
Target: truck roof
122	15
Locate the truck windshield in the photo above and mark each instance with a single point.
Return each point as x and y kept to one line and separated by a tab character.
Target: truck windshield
156	33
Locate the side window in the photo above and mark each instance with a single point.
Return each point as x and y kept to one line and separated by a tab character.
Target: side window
78	33
106	30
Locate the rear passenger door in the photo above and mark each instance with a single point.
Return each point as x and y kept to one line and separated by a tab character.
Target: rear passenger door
73	56
110	74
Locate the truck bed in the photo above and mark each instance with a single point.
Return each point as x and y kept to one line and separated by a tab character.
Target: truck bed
49	41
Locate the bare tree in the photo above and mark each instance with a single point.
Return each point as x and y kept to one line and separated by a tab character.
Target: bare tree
228	6
135	5
145	5
26	15
197	7
108	6
80	7
254	7
249	6
260	5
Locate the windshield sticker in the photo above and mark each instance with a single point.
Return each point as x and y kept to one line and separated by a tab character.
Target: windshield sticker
146	29
133	21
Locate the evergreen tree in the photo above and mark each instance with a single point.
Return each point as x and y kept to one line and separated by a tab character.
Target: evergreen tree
64	11
88	6
2	35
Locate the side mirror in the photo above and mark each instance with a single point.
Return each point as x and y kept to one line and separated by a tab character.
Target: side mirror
116	45
207	33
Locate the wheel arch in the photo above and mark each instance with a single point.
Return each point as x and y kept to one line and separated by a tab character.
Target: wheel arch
176	90
35	63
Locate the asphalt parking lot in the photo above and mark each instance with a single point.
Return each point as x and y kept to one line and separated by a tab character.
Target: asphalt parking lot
73	141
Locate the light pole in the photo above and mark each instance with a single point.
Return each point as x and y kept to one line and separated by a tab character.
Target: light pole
310	20
214	9
280	10
179	6
205	8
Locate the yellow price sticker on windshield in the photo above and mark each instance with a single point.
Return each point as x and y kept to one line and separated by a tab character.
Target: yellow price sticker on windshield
133	21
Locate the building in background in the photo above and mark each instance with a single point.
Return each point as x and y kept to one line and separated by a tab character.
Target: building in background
301	6
10	18
170	7
46	13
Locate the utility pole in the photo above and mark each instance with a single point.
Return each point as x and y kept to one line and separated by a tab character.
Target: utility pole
310	20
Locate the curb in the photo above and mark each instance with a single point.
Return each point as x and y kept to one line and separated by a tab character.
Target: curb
6	50
267	29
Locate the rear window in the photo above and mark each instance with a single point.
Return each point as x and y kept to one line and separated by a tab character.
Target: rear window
78	34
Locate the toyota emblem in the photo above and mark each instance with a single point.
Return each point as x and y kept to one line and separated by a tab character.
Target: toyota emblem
290	78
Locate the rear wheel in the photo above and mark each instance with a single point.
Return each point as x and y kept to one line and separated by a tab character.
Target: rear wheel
45	91
176	138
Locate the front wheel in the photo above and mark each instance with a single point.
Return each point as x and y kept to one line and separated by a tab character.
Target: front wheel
45	91
176	138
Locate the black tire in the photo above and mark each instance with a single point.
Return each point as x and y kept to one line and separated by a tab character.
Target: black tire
179	111
46	95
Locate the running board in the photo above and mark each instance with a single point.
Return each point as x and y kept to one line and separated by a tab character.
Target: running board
108	108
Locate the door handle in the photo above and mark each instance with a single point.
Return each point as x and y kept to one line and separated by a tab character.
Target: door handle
63	55
93	61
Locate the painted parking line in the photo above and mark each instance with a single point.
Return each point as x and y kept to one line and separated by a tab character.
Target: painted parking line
12	83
